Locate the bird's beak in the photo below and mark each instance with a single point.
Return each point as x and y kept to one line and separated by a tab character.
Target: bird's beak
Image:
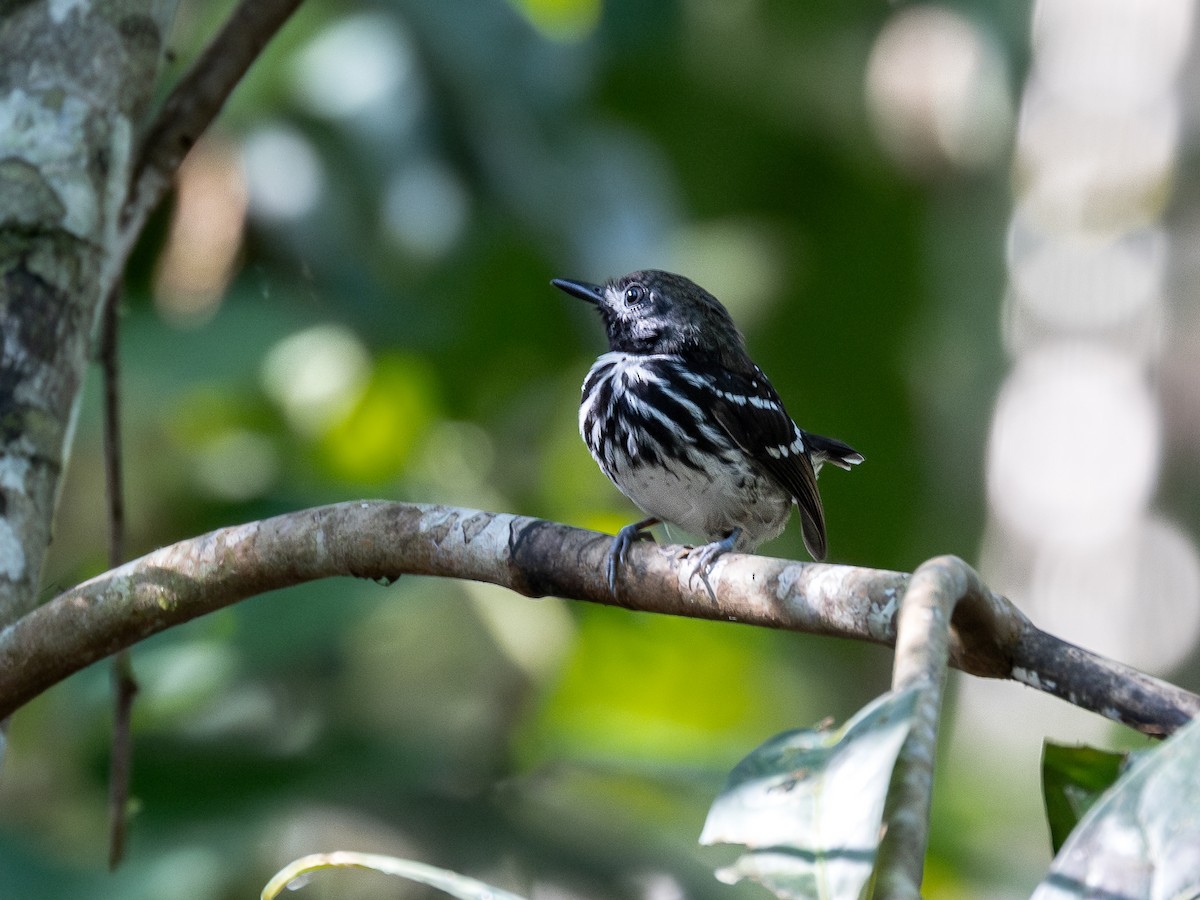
590	292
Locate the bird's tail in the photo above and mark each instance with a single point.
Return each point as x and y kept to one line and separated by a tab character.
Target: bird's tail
831	450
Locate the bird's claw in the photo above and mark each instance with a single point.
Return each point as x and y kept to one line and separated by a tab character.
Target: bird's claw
625	539
703	558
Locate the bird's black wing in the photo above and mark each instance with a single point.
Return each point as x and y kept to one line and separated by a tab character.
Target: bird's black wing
749	410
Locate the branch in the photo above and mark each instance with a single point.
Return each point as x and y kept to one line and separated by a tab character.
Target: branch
382	541
922	652
194	103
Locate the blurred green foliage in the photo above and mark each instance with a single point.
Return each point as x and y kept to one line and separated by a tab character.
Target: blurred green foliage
389	331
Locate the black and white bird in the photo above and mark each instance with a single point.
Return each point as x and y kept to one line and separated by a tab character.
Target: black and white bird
689	428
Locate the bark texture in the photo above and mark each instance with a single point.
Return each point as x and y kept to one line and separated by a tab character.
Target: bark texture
76	78
988	637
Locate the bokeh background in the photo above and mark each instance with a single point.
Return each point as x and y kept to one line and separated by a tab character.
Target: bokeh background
960	237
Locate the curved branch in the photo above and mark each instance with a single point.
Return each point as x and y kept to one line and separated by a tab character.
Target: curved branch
381	540
936	588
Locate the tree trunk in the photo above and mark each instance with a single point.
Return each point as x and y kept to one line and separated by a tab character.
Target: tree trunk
76	78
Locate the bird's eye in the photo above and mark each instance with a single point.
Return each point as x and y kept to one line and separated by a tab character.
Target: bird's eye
634	294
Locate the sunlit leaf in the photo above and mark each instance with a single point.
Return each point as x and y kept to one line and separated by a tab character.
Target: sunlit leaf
809	803
1142	837
1073	778
451	882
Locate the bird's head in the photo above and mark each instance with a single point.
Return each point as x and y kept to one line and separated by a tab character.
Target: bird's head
651	311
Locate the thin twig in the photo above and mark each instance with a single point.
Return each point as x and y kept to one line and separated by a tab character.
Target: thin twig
380	540
120	765
125	685
113	476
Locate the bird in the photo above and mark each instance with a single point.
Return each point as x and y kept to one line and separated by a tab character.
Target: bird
687	426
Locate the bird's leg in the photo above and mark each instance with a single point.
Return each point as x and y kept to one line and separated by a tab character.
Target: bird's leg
621	544
704	557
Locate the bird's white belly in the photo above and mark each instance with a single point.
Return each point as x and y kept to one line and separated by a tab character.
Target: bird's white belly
708	503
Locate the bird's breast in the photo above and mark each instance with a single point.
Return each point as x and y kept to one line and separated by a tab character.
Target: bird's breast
647	423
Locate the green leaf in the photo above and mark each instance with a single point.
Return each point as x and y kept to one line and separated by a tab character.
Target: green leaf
1141	838
1073	778
451	882
809	804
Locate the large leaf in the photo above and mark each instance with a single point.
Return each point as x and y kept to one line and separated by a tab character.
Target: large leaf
1141	839
1073	778
808	804
294	874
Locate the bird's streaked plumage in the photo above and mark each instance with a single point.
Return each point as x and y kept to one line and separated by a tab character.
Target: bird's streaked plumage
688	427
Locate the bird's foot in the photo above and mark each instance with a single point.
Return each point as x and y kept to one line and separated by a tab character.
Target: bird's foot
625	539
703	558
